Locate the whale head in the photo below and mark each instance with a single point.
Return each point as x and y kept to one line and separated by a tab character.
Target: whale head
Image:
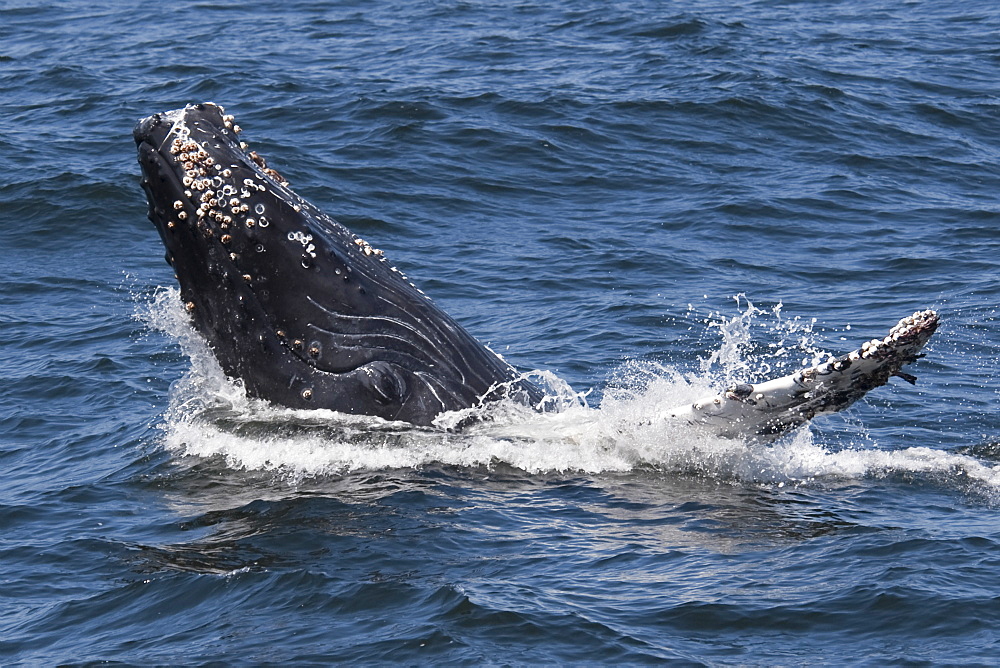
305	313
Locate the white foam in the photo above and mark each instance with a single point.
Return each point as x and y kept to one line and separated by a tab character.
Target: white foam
210	416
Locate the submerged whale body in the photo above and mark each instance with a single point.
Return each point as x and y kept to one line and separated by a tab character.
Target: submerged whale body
308	315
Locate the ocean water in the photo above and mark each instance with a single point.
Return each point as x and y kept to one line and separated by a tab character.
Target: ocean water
636	201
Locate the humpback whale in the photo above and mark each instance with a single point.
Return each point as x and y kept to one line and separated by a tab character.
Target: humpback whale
307	314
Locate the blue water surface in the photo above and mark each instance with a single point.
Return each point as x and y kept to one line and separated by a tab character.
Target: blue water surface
640	199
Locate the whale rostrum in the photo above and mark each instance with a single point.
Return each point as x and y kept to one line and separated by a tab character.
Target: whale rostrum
305	313
308	315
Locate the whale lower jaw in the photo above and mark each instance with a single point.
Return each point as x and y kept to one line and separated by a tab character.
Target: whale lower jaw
765	410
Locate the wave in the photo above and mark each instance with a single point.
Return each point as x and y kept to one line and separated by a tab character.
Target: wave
210	415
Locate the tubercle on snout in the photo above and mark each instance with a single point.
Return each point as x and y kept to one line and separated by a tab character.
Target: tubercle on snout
217	198
211	192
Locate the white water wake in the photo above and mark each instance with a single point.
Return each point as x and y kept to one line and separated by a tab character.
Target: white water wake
210	415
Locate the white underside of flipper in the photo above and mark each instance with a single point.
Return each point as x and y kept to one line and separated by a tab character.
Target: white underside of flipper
764	411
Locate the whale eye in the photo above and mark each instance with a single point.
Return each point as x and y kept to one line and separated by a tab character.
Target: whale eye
384	382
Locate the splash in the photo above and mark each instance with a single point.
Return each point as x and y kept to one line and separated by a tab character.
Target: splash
741	359
210	415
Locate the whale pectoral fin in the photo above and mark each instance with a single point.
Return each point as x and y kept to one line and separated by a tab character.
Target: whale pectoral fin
766	410
384	382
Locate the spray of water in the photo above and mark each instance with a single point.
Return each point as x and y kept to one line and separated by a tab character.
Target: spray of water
210	415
